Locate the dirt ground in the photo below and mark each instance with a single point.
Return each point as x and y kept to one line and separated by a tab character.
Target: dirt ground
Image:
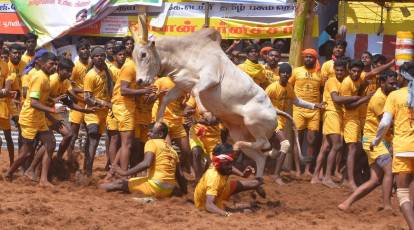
297	205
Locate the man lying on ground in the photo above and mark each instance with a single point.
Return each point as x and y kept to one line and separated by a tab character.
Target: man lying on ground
215	187
161	160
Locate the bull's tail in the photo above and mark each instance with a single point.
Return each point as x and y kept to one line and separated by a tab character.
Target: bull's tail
295	131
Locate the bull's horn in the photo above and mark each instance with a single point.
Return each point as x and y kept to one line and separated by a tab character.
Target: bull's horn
139	31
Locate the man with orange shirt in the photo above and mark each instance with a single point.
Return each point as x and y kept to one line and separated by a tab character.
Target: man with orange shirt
30	42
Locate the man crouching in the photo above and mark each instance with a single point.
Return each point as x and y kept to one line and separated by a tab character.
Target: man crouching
215	186
161	160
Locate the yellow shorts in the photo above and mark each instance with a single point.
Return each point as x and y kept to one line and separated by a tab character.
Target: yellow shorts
175	129
30	132
141	132
124	116
5	124
147	187
111	122
352	131
56	116
13	109
402	164
332	123
309	119
99	118
206	142
379	150
76	117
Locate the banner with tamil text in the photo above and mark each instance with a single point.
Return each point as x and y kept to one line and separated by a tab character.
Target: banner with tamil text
50	19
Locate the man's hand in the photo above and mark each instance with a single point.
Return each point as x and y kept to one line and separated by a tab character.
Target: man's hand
374	143
249	170
119	171
321	105
90	109
59	108
13	94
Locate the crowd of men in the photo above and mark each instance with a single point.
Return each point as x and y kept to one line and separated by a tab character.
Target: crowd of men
348	106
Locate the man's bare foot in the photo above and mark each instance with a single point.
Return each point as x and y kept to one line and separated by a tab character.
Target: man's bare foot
329	183
338	176
46	184
296	174
343	207
307	175
278	180
349	185
31	175
385	208
315	180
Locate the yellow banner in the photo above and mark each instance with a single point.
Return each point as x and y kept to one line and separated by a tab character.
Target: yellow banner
228	28
365	17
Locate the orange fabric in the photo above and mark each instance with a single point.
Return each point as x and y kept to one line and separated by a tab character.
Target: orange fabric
314	53
265	50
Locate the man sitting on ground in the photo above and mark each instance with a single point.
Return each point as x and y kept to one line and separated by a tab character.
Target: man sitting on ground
161	160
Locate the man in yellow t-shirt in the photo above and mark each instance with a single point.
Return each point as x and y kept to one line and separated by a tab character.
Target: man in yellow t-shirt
399	111
112	125
204	135
13	82
76	118
327	70
252	67
282	96
307	82
352	86
30	41
97	88
332	124
271	67
215	187
32	118
59	91
174	118
161	160
379	158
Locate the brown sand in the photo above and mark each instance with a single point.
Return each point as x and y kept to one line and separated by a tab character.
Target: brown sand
298	205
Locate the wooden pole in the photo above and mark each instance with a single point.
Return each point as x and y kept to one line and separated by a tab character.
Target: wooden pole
298	32
296	45
206	15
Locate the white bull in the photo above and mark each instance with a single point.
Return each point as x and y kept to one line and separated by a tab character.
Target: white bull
197	64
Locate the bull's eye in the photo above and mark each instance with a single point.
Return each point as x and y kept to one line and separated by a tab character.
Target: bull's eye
143	55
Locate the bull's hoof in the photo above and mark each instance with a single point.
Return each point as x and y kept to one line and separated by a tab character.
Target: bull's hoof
272	153
267	149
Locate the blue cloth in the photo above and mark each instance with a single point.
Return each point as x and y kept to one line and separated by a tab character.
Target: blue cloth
31	64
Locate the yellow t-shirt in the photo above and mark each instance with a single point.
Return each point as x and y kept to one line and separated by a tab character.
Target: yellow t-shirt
39	88
332	85
96	83
372	84
78	75
350	88
375	109
165	162
143	111
280	96
27	58
327	70
306	85
212	183
403	117
58	87
26	79
15	73
174	111
4	72
127	73
256	72
272	75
